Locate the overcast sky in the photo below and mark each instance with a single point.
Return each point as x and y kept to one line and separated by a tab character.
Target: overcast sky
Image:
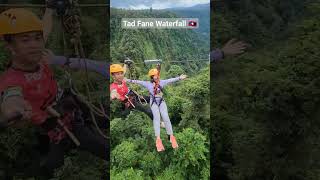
155	4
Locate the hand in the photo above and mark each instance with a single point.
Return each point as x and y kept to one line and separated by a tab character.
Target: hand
183	76
14	106
46	55
233	48
114	95
51	4
128	61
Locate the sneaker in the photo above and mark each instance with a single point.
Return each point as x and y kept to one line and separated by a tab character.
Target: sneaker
173	142
159	145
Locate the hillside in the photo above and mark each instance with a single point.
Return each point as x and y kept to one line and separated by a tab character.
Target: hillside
168	45
133	151
264	103
20	146
200	11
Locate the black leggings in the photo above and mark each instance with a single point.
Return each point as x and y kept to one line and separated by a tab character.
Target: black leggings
89	141
139	107
144	108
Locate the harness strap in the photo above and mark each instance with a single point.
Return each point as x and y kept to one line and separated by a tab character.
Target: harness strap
155	101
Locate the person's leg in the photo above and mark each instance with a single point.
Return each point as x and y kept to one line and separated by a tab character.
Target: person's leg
156	119
147	98
125	112
92	142
166	119
156	126
145	109
55	158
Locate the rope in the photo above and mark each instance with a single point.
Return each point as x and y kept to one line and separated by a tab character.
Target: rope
199	60
133	70
184	61
71	25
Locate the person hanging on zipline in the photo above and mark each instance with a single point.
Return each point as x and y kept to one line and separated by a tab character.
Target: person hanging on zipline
120	91
29	91
158	105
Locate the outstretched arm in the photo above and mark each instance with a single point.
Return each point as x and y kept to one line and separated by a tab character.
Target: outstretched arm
142	83
96	66
231	48
77	63
172	80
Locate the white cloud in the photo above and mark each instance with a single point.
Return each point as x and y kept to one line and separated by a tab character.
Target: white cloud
156	4
140	6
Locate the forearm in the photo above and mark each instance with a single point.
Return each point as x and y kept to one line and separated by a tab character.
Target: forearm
143	83
216	55
81	63
96	66
171	80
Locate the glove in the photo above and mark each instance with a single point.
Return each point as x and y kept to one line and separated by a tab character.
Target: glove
59	5
128	61
51	4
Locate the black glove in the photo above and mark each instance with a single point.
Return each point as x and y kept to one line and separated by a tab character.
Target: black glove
59	5
128	61
51	4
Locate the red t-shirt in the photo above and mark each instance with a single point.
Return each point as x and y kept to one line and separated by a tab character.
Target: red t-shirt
122	89
38	88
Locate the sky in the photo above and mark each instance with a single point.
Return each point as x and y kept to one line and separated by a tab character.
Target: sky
155	4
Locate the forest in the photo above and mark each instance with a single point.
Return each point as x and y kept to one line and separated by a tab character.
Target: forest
19	145
133	151
265	106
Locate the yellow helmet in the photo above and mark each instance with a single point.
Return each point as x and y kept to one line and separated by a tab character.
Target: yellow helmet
116	68
153	72
18	20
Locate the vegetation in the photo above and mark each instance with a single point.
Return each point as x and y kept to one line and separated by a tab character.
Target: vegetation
265	105
19	147
133	151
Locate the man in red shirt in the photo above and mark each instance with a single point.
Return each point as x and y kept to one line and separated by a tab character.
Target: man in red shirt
28	89
119	90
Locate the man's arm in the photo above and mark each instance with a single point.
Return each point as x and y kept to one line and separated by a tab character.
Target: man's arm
81	63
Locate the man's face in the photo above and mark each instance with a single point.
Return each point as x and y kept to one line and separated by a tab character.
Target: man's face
27	47
118	76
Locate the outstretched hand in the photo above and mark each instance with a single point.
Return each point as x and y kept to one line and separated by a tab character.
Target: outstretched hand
183	76
47	53
51	4
114	95
233	47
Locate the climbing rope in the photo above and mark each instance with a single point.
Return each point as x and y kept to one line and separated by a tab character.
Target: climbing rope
132	75
70	20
